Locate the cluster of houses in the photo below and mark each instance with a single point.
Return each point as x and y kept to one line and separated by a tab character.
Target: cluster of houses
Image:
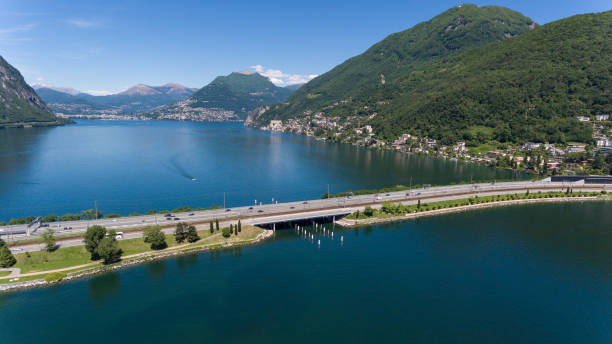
351	129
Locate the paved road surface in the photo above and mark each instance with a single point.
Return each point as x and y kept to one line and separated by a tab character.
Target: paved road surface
268	213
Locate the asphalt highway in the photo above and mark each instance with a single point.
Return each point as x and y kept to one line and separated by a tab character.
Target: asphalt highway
279	212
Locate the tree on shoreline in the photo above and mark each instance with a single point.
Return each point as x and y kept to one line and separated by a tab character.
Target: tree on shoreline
217	224
179	234
6	257
108	248
93	236
192	234
212	228
154	236
49	239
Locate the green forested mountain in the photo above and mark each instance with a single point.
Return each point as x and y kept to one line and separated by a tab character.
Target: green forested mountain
228	97
529	88
471	73
19	103
401	53
239	92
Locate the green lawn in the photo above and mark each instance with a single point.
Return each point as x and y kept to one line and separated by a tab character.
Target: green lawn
78	255
482	149
4	273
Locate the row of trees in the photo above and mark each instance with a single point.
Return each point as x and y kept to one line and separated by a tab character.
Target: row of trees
186	232
228	231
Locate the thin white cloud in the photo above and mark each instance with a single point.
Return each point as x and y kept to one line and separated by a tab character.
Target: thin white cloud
82	23
279	78
99	92
13	34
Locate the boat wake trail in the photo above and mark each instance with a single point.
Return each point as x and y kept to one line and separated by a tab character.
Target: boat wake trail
174	166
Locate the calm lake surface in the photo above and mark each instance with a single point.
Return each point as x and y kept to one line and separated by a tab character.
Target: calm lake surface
520	274
129	166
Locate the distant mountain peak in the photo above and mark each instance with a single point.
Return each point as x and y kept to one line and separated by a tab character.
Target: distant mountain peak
67	90
140	89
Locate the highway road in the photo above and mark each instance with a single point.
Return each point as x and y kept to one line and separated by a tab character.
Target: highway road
268	213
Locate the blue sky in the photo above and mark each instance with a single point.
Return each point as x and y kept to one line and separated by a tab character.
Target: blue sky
107	46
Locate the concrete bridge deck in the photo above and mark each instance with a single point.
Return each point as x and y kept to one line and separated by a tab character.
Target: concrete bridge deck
301	210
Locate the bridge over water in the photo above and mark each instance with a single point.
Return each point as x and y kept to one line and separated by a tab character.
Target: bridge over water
281	214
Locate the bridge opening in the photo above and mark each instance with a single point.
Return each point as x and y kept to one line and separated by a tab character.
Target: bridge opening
302	222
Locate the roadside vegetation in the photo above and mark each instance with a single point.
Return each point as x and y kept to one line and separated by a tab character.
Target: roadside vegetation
105	248
392	210
415	187
91	214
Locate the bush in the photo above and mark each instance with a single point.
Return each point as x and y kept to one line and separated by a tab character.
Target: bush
55	276
226	232
112	216
153	235
368	211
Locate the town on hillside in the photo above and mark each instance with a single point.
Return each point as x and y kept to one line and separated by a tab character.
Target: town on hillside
534	157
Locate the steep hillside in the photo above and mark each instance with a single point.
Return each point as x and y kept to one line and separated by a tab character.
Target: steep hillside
401	53
529	88
19	103
226	98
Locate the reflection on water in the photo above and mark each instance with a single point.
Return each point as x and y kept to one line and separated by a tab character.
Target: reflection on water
157	269
544	271
183	262
151	165
104	286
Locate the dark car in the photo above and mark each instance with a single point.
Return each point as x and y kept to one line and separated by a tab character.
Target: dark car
291	207
191	214
250	208
304	202
176	219
260	211
387	195
228	209
168	215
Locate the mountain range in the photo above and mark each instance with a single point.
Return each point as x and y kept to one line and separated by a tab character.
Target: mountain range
226	98
136	99
471	73
19	103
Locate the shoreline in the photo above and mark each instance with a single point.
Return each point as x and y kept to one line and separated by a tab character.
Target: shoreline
94	268
349	223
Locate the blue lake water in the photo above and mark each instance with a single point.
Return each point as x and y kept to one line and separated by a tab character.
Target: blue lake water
129	166
520	274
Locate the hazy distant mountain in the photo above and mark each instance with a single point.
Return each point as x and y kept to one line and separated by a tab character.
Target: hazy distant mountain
68	90
294	87
139	98
226	98
19	103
